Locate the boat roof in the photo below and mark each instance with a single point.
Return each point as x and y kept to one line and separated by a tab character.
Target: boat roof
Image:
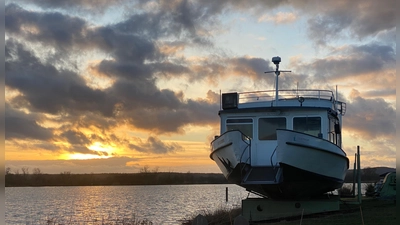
299	98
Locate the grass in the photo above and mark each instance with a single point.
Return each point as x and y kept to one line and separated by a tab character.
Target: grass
371	211
220	216
102	221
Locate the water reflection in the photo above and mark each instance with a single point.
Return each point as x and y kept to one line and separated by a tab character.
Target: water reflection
163	204
160	204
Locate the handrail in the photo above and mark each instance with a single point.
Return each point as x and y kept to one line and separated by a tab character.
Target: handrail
257	96
273	153
247	147
285	94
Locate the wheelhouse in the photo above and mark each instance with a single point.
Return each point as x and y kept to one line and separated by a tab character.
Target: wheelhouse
318	116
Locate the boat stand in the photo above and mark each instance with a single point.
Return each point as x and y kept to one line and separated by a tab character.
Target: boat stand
263	209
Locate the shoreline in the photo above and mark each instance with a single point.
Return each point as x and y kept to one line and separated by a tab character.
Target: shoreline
147	178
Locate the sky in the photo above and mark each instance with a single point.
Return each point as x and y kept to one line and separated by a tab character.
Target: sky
97	86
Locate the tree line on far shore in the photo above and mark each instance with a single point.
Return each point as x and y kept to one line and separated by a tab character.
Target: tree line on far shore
144	177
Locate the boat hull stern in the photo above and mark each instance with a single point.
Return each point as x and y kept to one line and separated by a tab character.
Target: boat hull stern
308	159
230	151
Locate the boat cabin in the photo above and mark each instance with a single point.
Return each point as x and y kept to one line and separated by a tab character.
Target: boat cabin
258	114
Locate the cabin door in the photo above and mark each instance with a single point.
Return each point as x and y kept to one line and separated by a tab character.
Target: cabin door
265	141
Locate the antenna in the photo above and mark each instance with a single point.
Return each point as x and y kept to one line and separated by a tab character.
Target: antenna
276	60
336	97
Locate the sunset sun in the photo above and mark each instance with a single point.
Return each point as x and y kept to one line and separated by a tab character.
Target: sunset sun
100	151
81	156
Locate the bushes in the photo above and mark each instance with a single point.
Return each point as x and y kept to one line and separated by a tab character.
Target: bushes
345	191
370	190
220	216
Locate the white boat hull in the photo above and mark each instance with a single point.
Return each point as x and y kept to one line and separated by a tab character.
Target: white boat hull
307	165
229	151
311	154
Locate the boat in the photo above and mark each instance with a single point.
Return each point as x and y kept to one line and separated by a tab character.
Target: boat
385	189
282	144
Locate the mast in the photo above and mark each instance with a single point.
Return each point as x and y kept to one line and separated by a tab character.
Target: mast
276	60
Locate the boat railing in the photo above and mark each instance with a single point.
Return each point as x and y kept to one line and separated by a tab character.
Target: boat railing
341	106
247	141
254	96
246	161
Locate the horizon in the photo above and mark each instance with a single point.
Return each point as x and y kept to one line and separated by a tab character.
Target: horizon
19	172
118	86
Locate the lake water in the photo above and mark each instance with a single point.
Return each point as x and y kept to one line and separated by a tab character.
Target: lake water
160	204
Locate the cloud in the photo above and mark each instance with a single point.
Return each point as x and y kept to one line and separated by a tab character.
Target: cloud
107	165
84	6
164	120
19	125
337	19
381	93
279	18
46	89
156	146
53	28
370	118
75	137
351	61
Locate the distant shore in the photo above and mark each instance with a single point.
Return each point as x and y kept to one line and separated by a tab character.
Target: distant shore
158	178
148	178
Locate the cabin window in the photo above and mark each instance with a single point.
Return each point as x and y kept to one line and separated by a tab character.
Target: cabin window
308	125
267	127
244	125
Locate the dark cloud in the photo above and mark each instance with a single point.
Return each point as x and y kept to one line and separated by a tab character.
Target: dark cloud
125	70
123	47
328	20
339	19
353	60
76	148
214	68
144	94
51	28
252	67
19	125
155	145
164	120
169	69
380	93
324	29
75	137
47	146
47	89
385	54
72	34
85	6
377	16
372	118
